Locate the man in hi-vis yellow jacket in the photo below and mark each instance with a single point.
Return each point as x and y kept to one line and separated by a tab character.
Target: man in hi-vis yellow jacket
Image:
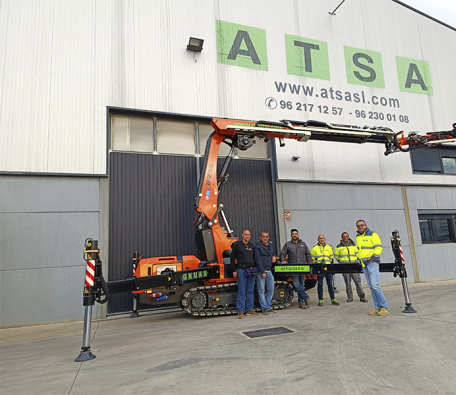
323	253
369	250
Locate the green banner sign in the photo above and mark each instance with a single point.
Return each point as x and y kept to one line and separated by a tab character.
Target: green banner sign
414	76
364	67
294	268
307	58
242	46
246	46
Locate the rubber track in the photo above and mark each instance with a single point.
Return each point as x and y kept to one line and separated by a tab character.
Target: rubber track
214	311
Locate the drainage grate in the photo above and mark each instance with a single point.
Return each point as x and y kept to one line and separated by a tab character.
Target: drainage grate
268	332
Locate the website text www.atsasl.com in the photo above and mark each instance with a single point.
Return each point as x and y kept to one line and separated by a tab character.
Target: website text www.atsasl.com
331	93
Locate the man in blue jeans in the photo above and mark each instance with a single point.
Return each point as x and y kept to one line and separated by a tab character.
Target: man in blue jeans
264	259
297	252
242	253
369	251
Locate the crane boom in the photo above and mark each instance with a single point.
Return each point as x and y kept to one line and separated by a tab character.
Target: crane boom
213	233
414	140
204	285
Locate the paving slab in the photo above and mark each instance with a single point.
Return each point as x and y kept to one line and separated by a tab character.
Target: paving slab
331	349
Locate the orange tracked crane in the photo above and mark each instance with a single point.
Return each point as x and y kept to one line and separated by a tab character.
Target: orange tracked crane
204	285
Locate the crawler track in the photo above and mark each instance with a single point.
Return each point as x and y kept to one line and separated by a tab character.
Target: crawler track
197	301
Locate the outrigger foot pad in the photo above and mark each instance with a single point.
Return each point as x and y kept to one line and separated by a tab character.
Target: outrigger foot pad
85	356
409	309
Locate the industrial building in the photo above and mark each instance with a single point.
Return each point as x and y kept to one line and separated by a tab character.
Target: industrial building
105	109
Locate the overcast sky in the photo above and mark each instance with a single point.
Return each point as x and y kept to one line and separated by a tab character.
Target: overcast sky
443	10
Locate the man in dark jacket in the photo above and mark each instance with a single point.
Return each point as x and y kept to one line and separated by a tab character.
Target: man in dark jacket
297	252
346	252
264	259
242	252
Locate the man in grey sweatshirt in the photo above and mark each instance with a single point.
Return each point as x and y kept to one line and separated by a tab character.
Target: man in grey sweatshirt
297	252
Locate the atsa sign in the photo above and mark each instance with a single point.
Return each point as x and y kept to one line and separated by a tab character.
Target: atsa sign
245	46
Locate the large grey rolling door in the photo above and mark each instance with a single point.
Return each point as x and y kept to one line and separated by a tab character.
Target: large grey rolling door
151	211
151	208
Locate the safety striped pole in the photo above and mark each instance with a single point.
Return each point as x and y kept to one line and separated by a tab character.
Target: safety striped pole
88	299
90	273
402	254
400	270
135	313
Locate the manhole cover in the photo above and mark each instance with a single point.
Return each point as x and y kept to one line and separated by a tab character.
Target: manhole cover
268	332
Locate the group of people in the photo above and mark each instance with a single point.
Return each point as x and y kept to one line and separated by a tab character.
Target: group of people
253	264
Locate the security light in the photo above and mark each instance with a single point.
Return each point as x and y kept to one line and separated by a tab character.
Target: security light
195	44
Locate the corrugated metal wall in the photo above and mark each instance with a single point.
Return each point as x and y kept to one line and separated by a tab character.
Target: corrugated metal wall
64	62
248	198
151	212
151	208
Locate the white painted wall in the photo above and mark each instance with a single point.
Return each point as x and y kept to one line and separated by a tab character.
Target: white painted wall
63	62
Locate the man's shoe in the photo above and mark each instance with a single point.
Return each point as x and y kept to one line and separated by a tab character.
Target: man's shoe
301	305
251	312
320	302
374	312
363	299
270	311
306	304
383	311
241	315
335	302
265	312
349	300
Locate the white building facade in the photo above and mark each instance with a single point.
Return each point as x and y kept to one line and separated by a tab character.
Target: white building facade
76	76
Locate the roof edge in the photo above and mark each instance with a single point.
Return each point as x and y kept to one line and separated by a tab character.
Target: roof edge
424	14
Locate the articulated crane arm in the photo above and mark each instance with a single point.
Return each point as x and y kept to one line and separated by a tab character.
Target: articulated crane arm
213	234
414	140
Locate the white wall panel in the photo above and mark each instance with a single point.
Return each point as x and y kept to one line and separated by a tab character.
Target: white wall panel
63	62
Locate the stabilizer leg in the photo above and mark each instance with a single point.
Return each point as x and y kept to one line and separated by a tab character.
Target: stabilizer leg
135	313
93	278
136	259
86	354
408	304
400	270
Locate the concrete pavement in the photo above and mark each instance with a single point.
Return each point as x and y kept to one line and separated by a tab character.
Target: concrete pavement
332	350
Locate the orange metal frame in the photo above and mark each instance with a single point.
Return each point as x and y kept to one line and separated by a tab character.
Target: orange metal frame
209	204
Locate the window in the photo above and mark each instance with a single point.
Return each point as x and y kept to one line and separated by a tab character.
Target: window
449	165
437	228
175	137
129	133
157	135
434	160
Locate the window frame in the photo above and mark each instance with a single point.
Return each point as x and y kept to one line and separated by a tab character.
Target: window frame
431	218
442	157
443	152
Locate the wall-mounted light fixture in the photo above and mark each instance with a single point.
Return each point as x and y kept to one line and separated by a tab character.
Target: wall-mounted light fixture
295	157
195	44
